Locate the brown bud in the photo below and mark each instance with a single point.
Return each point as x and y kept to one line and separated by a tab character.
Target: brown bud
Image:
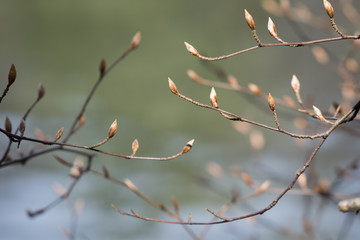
188	146
213	98
135	40
318	114
249	19
8	126
102	67
22	126
172	87
191	49
175	204
105	171
271	102
81	120
135	147
112	129
59	134
12	74
41	91
271	28
329	9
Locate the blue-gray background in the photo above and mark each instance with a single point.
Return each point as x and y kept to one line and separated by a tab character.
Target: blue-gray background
60	43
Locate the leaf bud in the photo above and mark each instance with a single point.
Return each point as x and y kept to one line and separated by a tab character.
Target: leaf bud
22	126
213	98
318	114
135	147
102	67
249	19
8	126
12	74
188	146
271	102
329	9
271	28
59	134
191	49
112	129
135	40
254	89
172	86
295	84
41	91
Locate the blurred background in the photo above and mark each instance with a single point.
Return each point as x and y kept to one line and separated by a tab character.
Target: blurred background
61	43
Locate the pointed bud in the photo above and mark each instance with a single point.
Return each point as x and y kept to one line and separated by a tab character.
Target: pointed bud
295	84
112	129
175	204
12	74
271	28
318	114
249	19
59	134
172	87
41	91
320	54
263	187
233	81
213	98
191	49
247	179
102	67
8	126
329	9
271	102
81	120
188	146
254	88
135	147
105	171
130	184
193	75
22	126
302	181
135	40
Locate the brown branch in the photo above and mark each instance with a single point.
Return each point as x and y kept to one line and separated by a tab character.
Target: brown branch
292	44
